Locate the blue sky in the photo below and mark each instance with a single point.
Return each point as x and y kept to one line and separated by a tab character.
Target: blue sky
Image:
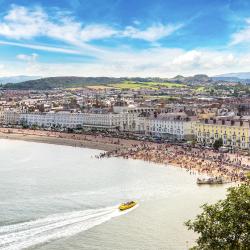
124	37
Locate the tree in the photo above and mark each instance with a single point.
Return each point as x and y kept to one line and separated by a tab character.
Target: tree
226	224
217	144
248	177
193	142
34	126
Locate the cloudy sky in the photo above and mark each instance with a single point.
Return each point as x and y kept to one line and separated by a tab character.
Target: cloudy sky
124	37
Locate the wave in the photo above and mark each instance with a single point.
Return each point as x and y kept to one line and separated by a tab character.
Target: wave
26	234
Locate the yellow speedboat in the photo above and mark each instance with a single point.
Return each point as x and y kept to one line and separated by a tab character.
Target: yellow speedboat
127	205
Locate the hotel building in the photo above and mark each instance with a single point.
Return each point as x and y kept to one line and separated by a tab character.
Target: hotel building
234	132
168	125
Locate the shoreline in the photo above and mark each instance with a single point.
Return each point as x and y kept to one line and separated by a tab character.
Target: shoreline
59	141
211	164
214	164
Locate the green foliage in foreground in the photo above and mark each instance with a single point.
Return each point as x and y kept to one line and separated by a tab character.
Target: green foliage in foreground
226	224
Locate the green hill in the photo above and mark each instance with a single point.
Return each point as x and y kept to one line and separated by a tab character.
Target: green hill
72	82
60	82
76	82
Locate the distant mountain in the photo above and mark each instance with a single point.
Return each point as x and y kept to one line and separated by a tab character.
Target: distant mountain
227	79
240	75
196	79
178	78
17	79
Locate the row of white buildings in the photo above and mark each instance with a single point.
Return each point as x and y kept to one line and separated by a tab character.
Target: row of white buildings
234	131
177	125
137	120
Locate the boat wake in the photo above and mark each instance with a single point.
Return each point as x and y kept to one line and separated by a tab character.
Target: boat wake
23	235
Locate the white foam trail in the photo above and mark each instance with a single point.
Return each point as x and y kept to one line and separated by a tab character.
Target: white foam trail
23	235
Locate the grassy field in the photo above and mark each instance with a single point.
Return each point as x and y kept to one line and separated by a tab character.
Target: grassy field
147	85
127	85
165	84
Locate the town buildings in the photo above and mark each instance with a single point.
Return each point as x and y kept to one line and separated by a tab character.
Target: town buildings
10	117
234	132
123	121
168	125
202	117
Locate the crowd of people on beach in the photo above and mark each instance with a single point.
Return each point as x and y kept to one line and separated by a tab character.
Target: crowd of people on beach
204	162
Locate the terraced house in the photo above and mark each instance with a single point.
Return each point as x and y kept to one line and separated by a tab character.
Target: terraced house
234	132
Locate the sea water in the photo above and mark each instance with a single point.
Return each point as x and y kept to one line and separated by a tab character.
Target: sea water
61	197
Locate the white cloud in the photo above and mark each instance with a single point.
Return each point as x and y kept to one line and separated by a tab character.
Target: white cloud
189	57
42	47
152	62
243	35
27	58
23	23
152	33
92	32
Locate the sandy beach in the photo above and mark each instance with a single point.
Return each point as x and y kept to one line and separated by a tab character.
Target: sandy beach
60	141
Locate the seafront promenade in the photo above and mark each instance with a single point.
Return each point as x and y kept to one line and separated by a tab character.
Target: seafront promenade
195	160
